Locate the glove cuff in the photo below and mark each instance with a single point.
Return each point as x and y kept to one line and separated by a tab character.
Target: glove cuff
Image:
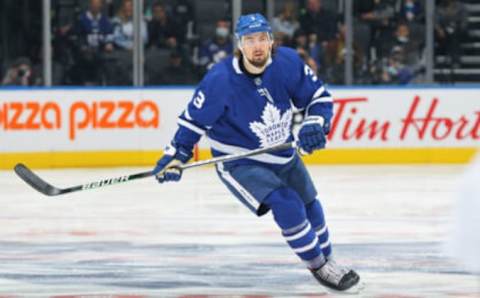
314	119
179	153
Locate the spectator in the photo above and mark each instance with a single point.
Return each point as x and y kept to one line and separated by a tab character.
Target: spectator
93	37
309	45
280	39
395	71
315	20
374	19
413	14
220	47
176	72
119	70
411	11
451	22
123	27
162	31
375	12
410	46
308	60
286	23
183	14
335	58
21	74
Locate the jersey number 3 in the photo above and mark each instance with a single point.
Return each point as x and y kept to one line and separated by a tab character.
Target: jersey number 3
309	72
199	100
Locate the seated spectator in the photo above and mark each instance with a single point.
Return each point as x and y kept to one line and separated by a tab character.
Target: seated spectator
123	27
162	31
335	58
413	14
212	51
280	39
395	71
286	23
402	39
308	60
119	70
176	72
21	73
93	36
310	46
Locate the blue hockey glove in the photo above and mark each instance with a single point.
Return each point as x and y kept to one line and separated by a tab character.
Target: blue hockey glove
167	166
326	128
311	135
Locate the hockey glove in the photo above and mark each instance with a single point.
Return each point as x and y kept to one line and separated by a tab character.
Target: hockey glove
311	135
167	167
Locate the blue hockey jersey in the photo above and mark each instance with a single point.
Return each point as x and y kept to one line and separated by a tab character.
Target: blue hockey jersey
93	31
239	112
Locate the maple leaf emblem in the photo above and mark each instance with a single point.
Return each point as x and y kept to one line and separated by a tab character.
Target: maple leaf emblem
274	128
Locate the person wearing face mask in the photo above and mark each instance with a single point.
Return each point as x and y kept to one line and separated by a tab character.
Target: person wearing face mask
213	51
402	39
245	102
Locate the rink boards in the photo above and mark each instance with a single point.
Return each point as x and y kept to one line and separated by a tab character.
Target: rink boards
78	127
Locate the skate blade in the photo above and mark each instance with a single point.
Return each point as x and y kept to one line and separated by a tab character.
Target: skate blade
354	290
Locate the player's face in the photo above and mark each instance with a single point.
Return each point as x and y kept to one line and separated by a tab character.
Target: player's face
256	48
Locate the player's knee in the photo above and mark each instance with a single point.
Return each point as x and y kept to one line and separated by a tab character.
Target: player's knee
287	207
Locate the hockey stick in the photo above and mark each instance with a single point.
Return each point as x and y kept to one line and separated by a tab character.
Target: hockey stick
44	187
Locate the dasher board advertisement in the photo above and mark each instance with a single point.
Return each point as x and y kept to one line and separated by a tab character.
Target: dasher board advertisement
63	123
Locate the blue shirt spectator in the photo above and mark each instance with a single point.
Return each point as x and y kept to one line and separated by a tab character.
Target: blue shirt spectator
93	29
220	47
123	27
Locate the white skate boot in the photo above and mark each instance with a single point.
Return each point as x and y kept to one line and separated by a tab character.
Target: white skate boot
336	277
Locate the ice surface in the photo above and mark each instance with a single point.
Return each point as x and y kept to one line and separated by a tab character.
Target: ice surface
193	239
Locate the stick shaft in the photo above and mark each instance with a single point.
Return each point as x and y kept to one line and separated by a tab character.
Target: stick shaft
44	187
232	157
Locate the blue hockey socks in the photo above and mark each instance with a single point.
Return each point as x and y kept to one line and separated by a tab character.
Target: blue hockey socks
317	219
290	215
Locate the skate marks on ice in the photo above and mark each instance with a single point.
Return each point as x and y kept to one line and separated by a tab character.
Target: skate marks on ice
191	270
194	240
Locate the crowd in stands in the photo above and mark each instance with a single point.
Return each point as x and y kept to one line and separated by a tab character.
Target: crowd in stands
95	48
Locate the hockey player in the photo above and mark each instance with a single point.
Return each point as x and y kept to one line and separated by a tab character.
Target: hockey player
245	102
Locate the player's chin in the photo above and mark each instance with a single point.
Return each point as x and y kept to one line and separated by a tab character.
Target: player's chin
259	61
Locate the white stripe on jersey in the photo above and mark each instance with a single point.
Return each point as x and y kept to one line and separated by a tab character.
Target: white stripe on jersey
319	100
318	92
238	187
187	115
265	157
190	126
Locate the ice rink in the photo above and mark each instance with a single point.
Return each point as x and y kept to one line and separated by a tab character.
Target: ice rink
193	239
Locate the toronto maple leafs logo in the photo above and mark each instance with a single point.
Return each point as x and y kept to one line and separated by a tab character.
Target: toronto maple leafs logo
275	128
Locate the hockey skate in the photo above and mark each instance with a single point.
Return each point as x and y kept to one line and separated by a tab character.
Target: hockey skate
337	278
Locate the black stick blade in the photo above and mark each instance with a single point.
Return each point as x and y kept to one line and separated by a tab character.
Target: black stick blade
36	182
